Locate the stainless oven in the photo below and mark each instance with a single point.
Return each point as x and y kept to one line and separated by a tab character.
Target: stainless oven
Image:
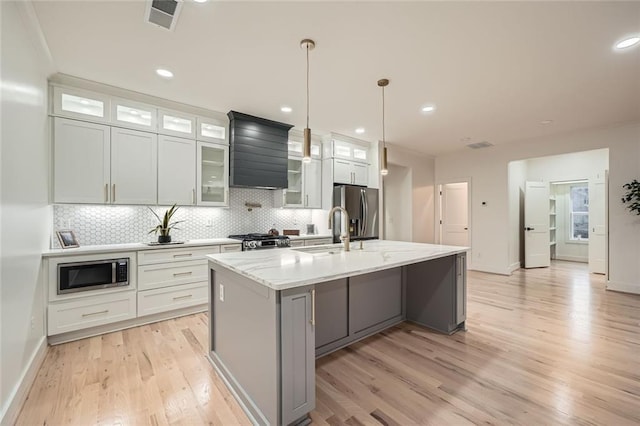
92	275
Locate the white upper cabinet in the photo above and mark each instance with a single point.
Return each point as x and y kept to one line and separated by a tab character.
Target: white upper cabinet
176	124
212	174
176	171
213	129
81	104
134	167
350	151
126	113
350	172
81	162
313	184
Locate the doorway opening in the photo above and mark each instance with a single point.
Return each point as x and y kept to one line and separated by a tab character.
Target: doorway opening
453	209
558	210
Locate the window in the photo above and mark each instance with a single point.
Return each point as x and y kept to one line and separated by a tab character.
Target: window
579	212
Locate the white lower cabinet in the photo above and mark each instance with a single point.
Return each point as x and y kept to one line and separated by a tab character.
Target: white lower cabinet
170	298
90	311
172	279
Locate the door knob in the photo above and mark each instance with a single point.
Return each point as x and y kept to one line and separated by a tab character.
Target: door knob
529	229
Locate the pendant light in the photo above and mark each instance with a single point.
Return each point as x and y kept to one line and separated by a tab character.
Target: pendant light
383	164
307	44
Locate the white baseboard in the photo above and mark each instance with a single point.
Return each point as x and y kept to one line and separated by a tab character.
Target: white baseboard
623	287
572	258
21	390
490	269
514	267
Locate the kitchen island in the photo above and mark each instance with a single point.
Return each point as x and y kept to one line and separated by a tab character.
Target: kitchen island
272	312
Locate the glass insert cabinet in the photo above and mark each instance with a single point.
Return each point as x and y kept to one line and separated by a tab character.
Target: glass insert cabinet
213	174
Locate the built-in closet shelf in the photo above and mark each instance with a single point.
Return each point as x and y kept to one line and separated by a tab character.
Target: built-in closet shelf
296	172
213	163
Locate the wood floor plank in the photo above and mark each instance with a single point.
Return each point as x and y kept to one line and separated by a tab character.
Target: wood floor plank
543	346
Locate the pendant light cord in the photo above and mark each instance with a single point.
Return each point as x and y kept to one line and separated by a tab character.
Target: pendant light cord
383	138
307	85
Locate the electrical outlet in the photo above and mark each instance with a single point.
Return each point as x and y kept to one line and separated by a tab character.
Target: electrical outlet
221	293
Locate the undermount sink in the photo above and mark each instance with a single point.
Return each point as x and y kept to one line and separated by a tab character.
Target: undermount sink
320	249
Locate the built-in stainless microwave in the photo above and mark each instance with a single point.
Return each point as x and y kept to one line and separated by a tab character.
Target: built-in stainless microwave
92	275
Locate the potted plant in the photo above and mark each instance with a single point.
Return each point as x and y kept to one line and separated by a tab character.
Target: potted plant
165	224
632	196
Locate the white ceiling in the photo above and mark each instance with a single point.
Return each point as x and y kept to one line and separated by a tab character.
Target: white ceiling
494	70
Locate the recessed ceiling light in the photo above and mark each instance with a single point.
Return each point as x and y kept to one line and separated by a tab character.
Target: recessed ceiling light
286	109
200	1
628	42
164	73
360	130
428	108
546	122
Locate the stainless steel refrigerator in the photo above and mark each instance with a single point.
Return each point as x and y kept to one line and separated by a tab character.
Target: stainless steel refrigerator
362	206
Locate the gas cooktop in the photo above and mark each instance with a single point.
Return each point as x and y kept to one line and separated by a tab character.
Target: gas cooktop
261	241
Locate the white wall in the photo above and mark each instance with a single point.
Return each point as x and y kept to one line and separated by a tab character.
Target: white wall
421	169
398	204
492	224
25	217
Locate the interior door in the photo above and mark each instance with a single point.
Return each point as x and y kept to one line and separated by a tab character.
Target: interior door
455	214
537	251
597	224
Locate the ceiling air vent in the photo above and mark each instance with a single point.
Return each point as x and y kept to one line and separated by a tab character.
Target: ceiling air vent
163	13
478	145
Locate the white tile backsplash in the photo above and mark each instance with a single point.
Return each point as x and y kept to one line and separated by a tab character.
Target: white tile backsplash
97	225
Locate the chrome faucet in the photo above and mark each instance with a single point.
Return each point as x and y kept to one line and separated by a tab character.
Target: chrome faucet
345	236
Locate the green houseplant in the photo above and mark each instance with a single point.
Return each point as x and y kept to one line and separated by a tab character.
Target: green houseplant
165	224
632	196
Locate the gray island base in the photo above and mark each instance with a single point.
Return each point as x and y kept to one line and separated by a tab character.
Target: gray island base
273	312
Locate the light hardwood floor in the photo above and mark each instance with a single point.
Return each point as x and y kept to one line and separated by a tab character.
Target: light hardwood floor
544	346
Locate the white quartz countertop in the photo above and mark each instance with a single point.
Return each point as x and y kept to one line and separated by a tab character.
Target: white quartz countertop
281	269
309	236
113	248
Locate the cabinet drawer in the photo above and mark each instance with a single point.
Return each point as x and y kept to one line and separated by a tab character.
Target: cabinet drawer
170	298
91	312
169	274
229	248
148	257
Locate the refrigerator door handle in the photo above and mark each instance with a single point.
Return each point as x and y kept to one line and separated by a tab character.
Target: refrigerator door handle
365	213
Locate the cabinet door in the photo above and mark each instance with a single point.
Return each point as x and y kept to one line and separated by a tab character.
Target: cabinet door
313	184
176	124
360	174
332	310
80	162
134	167
134	115
374	298
293	195
82	104
212	129
297	353
176	171
342	172
213	174
461	288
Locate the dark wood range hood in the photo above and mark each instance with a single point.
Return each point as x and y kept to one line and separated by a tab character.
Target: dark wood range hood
258	151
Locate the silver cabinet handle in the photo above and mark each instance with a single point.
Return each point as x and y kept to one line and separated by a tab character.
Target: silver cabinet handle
180	274
113	193
193	196
106	192
313	307
306	203
106	311
183	255
183	297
